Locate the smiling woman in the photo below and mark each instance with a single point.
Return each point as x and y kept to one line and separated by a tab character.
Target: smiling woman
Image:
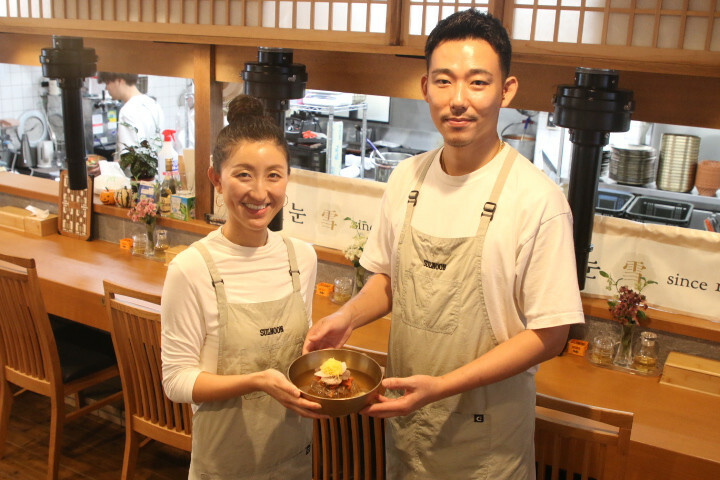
229	334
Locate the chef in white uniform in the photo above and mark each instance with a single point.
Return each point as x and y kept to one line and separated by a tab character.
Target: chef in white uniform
140	117
236	307
473	253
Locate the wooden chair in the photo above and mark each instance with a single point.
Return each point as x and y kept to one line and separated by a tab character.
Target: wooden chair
578	441
33	359
350	447
135	327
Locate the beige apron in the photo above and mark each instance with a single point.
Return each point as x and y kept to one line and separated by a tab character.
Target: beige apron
254	436
440	323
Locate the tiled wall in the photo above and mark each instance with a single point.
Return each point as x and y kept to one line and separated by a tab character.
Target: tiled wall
19	90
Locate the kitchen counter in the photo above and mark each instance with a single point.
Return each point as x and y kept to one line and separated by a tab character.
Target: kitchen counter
676	433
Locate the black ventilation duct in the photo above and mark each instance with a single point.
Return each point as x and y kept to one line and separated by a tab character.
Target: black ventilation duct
69	62
591	109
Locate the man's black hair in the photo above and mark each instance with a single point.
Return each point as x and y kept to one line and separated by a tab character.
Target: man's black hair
105	77
475	25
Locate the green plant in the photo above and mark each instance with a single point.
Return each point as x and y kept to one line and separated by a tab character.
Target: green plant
141	159
627	305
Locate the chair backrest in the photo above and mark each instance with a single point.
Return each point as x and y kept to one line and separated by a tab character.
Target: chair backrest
135	328
29	353
352	446
349	447
577	439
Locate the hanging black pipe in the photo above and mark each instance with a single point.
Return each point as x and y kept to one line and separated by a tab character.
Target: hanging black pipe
72	124
591	109
275	79
69	62
582	192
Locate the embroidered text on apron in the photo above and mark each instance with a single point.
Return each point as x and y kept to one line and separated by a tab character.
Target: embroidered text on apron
253	436
440	323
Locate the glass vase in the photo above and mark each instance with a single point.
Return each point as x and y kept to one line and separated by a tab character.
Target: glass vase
623	356
150	232
360	273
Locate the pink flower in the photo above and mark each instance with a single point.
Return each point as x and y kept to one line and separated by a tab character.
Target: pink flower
144	211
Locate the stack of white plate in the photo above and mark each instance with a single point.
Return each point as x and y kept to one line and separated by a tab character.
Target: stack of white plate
678	162
633	164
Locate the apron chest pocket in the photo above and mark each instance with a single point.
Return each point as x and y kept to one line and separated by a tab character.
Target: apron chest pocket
431	303
278	355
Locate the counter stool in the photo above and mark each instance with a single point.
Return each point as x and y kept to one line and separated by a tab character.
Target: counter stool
33	359
574	440
149	413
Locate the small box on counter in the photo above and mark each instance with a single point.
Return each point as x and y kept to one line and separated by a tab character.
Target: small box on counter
182	206
126	243
691	372
41	226
146	189
324	289
21	219
577	347
13	217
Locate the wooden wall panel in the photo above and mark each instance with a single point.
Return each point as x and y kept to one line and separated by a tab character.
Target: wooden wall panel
208	122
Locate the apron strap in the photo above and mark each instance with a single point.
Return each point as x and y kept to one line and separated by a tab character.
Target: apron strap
292	259
415	193
491	204
217	282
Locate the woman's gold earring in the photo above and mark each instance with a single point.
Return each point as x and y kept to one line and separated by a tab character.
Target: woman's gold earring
219	201
286	201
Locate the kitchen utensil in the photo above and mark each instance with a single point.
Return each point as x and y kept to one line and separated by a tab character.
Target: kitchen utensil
28	154
377	152
633	164
707	179
521	135
303	367
677	163
385	164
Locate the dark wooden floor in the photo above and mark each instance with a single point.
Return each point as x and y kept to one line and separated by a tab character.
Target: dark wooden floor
92	448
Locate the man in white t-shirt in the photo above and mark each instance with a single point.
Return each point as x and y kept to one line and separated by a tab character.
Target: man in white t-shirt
140	117
472	252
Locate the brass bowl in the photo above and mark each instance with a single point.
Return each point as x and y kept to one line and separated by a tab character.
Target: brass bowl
356	362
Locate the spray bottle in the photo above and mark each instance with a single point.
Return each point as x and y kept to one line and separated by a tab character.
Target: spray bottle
169	156
167	150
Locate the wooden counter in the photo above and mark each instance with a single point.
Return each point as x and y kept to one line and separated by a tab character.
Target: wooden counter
676	434
658	319
72	271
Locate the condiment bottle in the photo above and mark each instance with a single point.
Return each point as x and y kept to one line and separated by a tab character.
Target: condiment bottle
342	290
161	243
645	360
602	350
168	187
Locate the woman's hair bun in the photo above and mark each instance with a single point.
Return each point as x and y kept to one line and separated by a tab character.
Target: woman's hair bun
242	107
